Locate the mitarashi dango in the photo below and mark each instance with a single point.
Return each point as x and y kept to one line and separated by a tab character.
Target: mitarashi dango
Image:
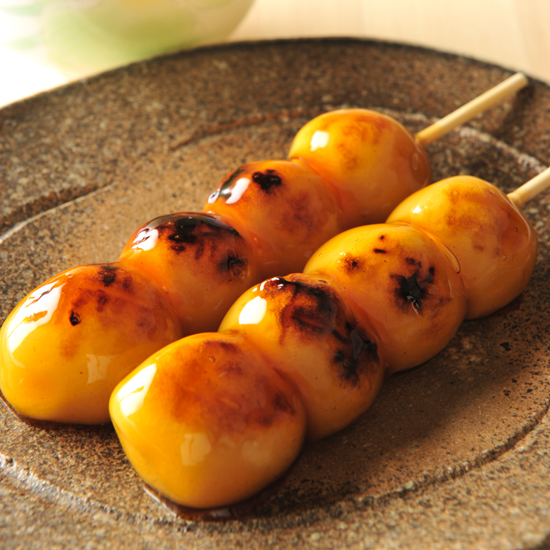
373	300
66	345
207	421
311	336
495	245
406	282
345	168
372	161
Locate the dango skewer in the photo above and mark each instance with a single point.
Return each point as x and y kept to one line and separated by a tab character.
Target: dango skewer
374	161
371	301
71	340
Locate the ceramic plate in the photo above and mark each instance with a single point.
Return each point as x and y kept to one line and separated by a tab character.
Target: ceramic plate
454	453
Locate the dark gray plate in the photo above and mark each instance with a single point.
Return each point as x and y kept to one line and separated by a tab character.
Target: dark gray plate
453	454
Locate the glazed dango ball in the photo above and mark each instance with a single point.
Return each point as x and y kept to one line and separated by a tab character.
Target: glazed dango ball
311	335
495	245
283	209
369	158
207	421
403	280
66	345
200	262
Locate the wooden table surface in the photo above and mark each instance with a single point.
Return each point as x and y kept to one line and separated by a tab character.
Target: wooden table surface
511	33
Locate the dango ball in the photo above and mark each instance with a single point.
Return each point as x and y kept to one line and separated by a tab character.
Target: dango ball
403	280
207	422
200	262
495	245
66	345
371	160
283	208
309	334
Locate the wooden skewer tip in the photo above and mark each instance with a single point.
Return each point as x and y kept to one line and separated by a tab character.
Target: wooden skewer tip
471	109
531	188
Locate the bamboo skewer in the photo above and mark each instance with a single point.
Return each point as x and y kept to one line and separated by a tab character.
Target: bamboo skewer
471	109
468	111
530	189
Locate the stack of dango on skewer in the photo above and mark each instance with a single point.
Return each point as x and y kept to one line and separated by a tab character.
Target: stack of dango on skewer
70	341
214	418
210	406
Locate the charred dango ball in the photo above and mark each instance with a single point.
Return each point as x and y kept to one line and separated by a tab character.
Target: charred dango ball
495	245
371	159
66	345
311	336
198	260
207	421
403	280
282	208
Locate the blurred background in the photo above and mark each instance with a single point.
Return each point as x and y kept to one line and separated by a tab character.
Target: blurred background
46	43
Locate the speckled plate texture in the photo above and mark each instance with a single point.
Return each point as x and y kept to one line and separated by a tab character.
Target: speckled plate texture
454	454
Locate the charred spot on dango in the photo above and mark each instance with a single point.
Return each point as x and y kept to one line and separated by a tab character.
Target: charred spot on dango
303	318
307	308
182	234
107	274
413	289
233	264
83	296
180	231
127	283
351	263
267	180
297	287
74	318
358	350
184	230
348	367
101	299
278	404
313	310
94	295
409	291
